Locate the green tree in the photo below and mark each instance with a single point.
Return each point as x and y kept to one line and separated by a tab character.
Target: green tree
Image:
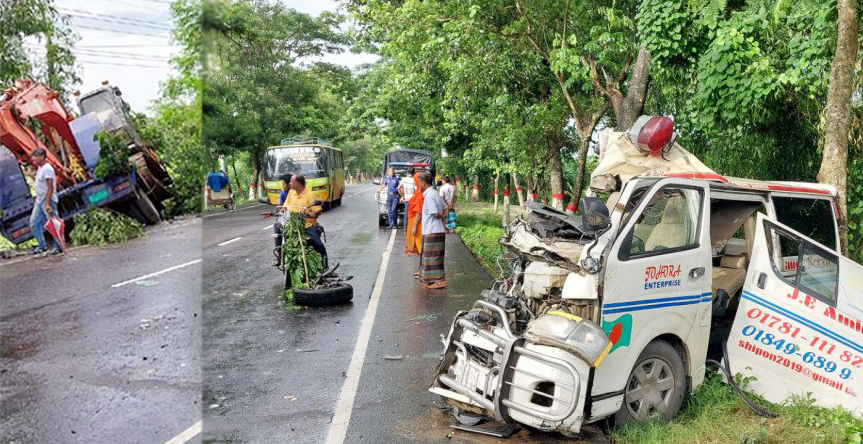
40	21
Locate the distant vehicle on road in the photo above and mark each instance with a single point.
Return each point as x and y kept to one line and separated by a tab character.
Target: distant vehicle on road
400	160
321	163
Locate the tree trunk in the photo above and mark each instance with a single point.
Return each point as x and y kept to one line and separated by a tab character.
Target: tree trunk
517	189
259	179
584	143
837	113
495	190
506	204
531	189
474	194
555	172
628	109
236	176
253	185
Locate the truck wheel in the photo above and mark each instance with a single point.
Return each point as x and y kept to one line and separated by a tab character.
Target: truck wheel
655	386
323	296
145	208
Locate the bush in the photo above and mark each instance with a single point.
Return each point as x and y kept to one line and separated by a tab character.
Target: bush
113	156
99	226
481	232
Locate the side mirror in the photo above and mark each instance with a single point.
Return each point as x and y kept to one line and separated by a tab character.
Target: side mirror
594	215
376	181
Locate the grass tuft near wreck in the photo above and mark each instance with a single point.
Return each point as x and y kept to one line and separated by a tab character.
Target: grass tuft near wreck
714	413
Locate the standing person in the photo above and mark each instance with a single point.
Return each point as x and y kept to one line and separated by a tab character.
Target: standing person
298	200
413	238
392	183
45	205
449	197
434	236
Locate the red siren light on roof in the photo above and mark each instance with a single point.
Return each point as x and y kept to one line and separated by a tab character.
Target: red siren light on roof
654	134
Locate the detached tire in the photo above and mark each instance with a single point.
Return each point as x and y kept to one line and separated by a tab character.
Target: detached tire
323	296
655	387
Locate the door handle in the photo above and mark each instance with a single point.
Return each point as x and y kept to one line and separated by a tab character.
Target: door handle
696	272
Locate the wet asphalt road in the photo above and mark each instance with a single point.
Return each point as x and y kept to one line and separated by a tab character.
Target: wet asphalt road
84	362
273	374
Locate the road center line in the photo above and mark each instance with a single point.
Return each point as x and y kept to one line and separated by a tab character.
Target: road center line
147	276
187	434
345	405
230	241
220	213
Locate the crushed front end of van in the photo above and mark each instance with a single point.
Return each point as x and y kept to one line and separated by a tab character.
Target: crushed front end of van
526	351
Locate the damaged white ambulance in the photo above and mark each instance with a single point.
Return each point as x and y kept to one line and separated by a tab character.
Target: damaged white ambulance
614	313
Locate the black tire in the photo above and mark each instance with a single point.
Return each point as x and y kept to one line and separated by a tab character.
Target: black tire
287	278
338	202
657	363
145	208
324	296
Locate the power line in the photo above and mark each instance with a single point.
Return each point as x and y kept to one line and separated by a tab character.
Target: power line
121	54
124	22
127	32
79	12
88	62
127	46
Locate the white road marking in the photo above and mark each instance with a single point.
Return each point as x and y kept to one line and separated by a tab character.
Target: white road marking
358	192
268	227
147	276
230	212
187	434
230	241
345	405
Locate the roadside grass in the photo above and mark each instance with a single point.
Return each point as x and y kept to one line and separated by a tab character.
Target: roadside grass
713	413
480	229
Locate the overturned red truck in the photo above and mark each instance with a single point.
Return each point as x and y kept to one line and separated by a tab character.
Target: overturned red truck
32	116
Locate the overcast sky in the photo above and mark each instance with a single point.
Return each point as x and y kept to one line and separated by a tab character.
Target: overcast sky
127	42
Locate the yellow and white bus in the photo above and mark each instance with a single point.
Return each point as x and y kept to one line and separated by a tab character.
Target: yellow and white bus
320	163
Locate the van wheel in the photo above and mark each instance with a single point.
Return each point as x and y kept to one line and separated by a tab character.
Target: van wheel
655	386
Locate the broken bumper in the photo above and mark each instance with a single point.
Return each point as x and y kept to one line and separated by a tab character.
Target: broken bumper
489	371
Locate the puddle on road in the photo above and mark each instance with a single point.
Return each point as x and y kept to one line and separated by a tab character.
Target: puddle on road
434	426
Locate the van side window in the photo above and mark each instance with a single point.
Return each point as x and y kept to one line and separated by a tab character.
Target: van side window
813	218
804	265
670	222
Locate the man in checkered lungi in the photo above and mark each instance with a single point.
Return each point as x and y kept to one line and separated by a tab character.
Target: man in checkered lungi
434	237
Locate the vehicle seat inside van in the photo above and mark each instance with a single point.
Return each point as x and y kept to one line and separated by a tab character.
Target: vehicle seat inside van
731	272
